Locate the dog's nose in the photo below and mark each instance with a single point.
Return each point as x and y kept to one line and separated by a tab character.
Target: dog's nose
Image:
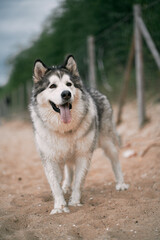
66	95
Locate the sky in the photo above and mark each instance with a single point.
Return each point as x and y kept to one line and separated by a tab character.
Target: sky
21	22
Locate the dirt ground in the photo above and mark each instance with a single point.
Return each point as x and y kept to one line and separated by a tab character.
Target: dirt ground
26	201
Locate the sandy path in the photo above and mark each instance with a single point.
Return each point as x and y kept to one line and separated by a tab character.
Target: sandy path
25	197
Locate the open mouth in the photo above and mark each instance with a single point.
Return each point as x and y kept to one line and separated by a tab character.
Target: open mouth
63	110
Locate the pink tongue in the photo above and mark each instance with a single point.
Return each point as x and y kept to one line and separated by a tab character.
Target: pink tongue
65	113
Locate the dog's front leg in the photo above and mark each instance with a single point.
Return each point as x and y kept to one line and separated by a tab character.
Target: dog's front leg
68	175
54	177
82	165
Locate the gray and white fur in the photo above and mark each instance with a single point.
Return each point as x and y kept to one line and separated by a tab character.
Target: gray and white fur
70	122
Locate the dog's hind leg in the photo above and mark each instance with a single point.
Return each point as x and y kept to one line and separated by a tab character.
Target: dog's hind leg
111	152
68	175
53	174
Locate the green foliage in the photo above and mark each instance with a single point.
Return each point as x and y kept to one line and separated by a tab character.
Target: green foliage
66	31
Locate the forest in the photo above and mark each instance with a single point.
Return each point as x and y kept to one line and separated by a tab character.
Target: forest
66	30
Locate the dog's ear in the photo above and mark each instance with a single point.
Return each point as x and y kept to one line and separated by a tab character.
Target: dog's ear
39	70
71	65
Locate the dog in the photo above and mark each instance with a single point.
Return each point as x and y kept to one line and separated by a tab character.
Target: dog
69	123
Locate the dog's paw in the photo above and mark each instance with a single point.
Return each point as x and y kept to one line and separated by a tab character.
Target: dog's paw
122	186
59	210
66	189
75	203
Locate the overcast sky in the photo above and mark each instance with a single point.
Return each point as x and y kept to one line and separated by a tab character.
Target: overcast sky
20	22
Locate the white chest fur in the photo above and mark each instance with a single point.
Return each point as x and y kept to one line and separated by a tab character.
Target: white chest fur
55	146
63	146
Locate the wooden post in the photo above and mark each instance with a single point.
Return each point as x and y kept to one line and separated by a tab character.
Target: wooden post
91	61
149	42
102	71
125	82
139	66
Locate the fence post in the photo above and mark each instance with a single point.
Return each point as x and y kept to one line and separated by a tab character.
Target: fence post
149	42
91	61
125	82
139	66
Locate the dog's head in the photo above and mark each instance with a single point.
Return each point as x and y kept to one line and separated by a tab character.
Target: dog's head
55	87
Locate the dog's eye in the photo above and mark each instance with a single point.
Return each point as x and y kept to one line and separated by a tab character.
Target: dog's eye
53	86
69	84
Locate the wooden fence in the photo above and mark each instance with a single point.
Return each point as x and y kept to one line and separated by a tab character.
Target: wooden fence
140	30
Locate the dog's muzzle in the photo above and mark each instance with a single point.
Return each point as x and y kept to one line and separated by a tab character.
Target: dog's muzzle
64	111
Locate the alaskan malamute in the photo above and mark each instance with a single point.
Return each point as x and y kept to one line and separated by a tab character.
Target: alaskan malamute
70	122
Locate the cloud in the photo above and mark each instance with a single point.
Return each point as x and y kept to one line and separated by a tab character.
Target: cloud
20	22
